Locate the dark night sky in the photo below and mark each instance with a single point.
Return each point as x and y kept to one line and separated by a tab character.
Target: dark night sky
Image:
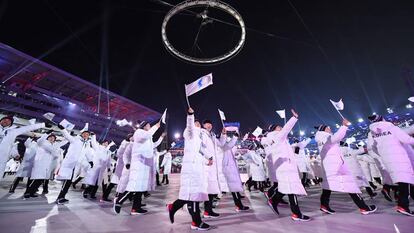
367	45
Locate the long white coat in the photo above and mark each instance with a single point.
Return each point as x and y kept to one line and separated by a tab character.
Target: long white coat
266	142
156	161
388	142
166	163
209	148
8	136
351	160
193	181
119	162
368	166
141	176
385	175
284	161
302	160
256	166
101	163
336	174
126	159
77	148
25	169
230	169
45	154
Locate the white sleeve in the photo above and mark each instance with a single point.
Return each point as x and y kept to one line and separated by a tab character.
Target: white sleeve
339	135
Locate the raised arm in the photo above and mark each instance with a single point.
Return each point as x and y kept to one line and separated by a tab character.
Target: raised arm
27	128
339	135
304	143
68	137
287	128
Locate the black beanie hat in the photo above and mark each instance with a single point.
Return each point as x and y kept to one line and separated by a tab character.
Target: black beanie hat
207	121
142	124
321	127
375	118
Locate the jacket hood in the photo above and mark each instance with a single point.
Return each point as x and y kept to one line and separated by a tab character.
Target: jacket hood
380	126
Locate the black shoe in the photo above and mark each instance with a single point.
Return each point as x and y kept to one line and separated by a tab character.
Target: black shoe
117	208
371	209
139	211
45	192
210	214
143	205
272	206
202	227
26	195
404	211
170	212
85	194
373	195
327	209
11	191
302	218
105	200
242	208
387	195
61	201
92	197
34	195
147	195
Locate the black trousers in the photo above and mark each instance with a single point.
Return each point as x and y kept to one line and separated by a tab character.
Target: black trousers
33	186
165	178
293	202
45	185
272	190
16	182
237	199
65	187
108	190
193	208
208	205
157	178
304	178
378	180
369	191
326	194
403	194
137	196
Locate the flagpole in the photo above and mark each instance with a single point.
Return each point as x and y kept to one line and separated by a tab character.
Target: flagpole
284	119
186	98
340	114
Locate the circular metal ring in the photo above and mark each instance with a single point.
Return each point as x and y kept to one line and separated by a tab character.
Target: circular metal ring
184	6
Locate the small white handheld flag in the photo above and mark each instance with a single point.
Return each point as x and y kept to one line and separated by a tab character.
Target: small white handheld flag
222	116
122	122
411	99
338	105
32	121
282	113
199	84
49	116
257	131
66	124
164	116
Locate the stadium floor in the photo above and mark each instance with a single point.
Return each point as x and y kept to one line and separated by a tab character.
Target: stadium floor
41	215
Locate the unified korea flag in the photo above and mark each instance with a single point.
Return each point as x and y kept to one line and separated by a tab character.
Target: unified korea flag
199	84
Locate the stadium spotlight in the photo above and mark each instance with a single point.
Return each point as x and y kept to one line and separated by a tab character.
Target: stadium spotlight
177	135
301	133
408	106
389	110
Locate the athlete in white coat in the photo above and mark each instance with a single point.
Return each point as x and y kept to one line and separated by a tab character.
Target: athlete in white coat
336	174
141	177
193	181
209	148
101	163
351	160
79	146
47	150
230	180
387	140
25	169
119	167
8	134
166	167
302	160
126	160
287	173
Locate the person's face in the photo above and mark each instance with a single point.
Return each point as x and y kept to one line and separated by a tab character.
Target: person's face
197	124
147	127
5	122
105	144
208	126
278	128
328	129
85	135
51	139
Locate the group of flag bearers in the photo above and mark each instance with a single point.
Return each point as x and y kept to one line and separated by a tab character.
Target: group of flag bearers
209	165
